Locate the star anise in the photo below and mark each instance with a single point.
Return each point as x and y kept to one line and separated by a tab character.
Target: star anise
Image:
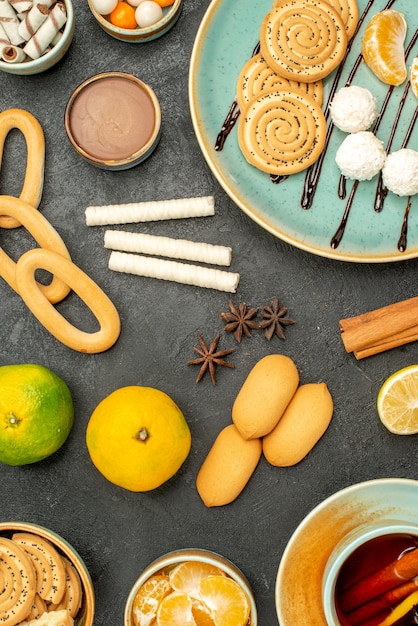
274	319
239	320
210	357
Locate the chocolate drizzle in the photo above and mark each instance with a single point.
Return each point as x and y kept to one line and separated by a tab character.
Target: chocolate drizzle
381	190
231	118
313	173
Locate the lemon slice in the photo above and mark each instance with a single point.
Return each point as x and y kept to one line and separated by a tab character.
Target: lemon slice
414	76
397	401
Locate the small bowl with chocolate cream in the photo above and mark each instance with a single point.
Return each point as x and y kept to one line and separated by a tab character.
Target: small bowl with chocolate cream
34	37
113	120
170	15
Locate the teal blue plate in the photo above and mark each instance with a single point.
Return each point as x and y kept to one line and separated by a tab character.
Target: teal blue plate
225	40
298	591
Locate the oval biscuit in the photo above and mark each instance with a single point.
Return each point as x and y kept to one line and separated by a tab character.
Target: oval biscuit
304	422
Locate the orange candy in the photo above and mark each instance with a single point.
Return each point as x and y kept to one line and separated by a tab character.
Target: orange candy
164	3
123	16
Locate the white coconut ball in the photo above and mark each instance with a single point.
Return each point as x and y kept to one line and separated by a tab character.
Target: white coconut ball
360	156
353	109
400	172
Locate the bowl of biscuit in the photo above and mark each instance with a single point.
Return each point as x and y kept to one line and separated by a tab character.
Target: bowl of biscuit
34	36
45	582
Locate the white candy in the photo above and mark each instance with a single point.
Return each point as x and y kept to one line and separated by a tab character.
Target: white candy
360	156
134	3
104	7
353	109
400	172
148	13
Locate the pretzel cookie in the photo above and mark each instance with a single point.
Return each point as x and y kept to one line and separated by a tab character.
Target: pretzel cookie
257	76
303	39
282	132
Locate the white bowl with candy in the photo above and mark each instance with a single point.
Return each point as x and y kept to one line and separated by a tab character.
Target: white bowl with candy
136	21
33	36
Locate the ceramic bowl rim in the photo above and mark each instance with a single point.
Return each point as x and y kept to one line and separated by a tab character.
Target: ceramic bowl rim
191	554
35	65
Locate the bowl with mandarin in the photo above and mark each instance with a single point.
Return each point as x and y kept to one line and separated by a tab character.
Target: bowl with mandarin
193	586
136	21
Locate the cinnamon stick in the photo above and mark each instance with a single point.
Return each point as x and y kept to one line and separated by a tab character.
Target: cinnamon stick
401	570
382	329
373	609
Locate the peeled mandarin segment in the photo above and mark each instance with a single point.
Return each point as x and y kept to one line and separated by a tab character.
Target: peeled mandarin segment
257	76
49	567
226	599
148	599
175	610
282	132
45	235
414	77
201	613
383	46
18	577
186	576
91	294
35	142
303	39
397	402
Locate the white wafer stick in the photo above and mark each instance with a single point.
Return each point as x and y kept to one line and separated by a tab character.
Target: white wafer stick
135	212
172	270
45	34
168	247
10	22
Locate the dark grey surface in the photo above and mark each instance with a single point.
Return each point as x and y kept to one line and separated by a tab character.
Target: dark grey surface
118	532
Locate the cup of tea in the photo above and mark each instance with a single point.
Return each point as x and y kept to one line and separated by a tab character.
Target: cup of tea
370	573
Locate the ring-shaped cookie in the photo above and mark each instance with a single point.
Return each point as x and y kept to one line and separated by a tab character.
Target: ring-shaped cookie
303	40
45	235
35	162
88	291
282	132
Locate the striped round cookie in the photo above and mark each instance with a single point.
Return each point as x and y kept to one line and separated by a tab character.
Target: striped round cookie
348	11
257	76
303	40
281	132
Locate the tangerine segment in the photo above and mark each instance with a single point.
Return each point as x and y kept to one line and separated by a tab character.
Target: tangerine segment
186	576
226	599
175	610
148	599
414	77
202	613
383	46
